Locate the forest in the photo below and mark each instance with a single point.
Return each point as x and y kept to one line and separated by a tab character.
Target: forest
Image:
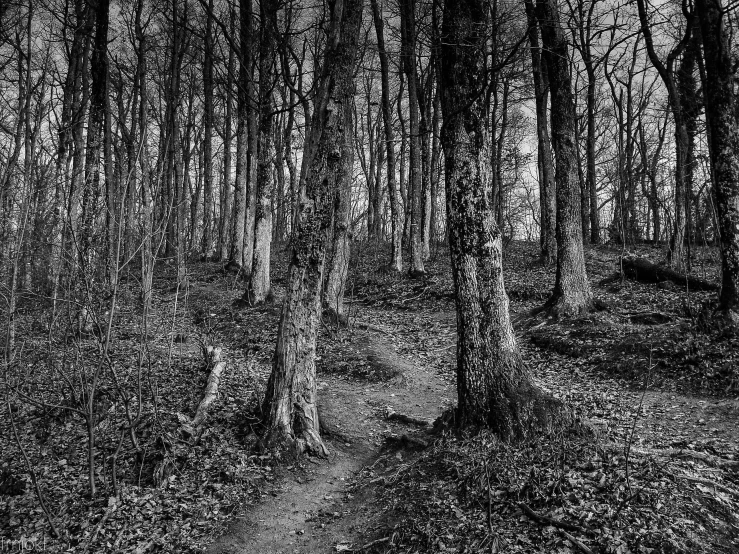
378	276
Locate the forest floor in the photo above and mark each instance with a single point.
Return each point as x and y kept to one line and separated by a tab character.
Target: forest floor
659	388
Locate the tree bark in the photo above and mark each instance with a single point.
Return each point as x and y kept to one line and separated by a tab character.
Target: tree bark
259	286
494	386
207	246
571	294
226	186
396	227
675	253
724	139
290	405
415	192
547	191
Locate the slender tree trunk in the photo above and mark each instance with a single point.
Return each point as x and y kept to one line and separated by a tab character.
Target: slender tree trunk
147	197
396	227
571	293
208	244
676	250
547	191
227	192
290	404
259	286
252	143
244	112
415	192
494	386
724	137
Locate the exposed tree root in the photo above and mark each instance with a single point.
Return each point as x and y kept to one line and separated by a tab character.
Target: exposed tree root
391	414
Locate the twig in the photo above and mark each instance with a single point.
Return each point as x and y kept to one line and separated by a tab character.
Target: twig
709	459
709	483
490	499
373	543
32	473
554	522
580	546
99	526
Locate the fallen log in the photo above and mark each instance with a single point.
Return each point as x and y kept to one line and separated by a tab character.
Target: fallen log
192	428
644	271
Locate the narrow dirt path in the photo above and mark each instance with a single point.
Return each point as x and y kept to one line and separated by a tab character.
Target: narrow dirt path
402	361
316	509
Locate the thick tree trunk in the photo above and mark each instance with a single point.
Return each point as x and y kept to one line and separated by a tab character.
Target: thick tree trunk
338	266
396	227
571	293
70	120
259	287
547	191
493	384
724	139
290	404
95	139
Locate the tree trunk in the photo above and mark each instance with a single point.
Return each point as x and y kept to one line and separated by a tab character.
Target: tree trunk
724	138
244	115
338	266
226	187
547	192
571	293
494	387
675	253
95	139
396	227
259	287
415	192
290	405
207	246
147	198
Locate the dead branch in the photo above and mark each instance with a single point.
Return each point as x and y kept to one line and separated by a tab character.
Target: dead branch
193	427
551	521
708	459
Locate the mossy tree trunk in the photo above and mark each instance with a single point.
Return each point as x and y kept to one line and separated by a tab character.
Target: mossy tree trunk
724	140
290	406
494	386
